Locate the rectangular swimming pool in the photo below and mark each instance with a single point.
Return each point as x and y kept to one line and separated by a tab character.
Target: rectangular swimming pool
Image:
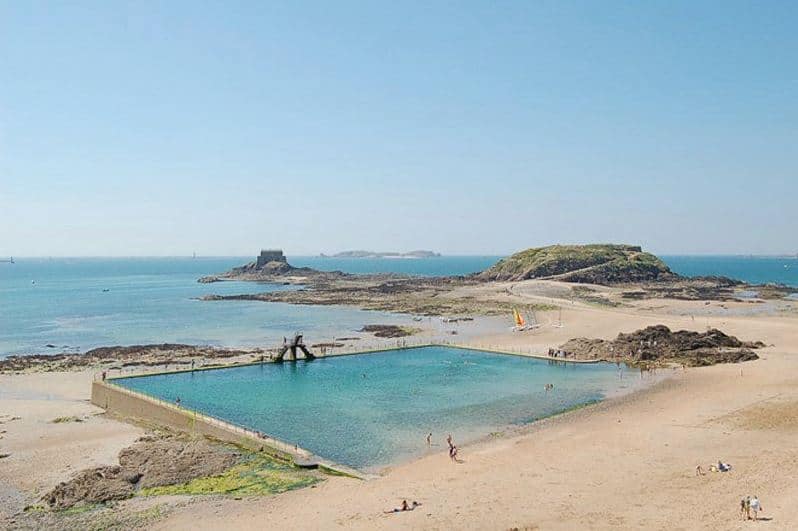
375	409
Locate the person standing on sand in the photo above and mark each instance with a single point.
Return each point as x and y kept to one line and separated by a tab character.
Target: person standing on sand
429	439
449	442
755	507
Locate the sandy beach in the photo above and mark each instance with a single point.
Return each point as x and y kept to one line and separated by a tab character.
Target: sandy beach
625	463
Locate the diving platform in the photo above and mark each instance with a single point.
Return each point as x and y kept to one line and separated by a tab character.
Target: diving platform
288	351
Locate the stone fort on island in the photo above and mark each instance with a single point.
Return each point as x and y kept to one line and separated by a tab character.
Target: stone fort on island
270	255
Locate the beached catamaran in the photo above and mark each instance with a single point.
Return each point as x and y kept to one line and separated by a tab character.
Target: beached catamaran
519	319
523	324
520	323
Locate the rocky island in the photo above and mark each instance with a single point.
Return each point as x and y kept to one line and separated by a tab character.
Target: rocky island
633	273
591	264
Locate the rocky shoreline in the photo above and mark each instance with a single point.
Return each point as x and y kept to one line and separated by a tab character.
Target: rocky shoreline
118	357
658	345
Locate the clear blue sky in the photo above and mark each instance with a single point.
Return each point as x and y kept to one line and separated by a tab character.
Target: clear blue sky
162	128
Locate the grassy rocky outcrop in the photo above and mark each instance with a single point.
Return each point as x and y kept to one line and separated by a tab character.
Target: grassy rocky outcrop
594	264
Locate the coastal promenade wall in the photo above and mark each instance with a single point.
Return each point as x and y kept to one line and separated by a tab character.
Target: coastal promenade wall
137	406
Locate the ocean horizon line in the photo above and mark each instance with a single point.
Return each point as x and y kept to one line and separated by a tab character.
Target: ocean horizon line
319	255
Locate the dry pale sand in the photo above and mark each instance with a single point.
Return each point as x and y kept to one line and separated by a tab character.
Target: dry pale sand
628	463
43	453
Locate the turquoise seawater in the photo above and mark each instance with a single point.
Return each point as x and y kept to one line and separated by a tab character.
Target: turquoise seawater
375	409
753	269
63	301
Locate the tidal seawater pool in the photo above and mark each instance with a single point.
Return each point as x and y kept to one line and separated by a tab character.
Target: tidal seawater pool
375	409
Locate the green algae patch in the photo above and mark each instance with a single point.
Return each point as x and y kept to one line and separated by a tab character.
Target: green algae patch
80	509
257	475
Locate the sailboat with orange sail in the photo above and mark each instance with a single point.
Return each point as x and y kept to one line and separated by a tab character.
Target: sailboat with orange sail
518	318
521	324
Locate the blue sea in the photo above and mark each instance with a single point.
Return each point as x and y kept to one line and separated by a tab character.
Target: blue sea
82	303
752	269
372	410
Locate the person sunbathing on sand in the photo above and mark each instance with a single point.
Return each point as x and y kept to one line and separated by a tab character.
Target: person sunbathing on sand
404	507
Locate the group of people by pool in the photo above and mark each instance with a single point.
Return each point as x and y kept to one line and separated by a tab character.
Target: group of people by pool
449	443
557	353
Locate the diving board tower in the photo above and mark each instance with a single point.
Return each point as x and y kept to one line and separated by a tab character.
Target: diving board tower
290	348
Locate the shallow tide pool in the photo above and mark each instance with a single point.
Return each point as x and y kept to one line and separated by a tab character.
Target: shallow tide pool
372	410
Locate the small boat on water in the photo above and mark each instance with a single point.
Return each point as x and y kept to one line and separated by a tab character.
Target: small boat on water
9	261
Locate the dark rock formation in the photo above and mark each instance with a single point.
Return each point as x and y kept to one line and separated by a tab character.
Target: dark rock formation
97	485
658	344
150	462
389	331
156	354
170	461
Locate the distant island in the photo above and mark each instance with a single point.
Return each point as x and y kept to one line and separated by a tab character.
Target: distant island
373	254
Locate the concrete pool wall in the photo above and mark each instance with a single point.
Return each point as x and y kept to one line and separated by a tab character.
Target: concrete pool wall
138	406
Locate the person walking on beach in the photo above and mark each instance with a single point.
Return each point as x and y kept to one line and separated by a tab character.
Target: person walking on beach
177	401
449	442
745	508
429	439
453	453
755	507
